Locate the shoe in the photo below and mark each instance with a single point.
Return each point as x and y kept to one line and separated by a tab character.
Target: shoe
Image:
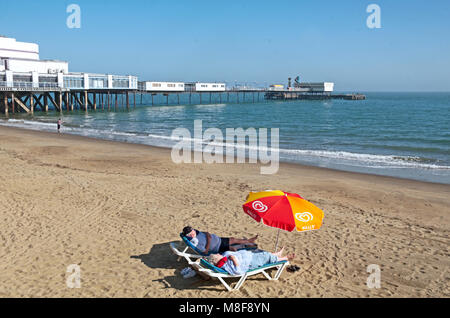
292	268
184	271
190	274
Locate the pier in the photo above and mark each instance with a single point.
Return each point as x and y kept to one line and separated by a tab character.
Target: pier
28	100
29	84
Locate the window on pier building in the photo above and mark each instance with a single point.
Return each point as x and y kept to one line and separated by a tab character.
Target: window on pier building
121	83
21	78
98	82
73	82
48	81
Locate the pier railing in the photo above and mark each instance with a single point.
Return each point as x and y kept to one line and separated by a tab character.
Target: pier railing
29	86
247	89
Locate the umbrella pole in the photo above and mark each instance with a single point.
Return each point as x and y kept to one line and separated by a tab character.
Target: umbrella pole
276	244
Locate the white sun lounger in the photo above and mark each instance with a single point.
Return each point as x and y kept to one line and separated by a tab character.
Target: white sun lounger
210	270
183	252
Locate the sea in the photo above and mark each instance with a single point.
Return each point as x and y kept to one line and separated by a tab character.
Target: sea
404	135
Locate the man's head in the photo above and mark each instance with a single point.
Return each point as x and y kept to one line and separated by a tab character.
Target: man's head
189	232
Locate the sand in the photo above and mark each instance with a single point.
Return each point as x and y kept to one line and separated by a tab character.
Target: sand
113	208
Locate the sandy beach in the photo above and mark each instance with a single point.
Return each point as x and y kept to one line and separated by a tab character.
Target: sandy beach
113	208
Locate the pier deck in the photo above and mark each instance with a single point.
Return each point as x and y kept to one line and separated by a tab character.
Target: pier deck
30	99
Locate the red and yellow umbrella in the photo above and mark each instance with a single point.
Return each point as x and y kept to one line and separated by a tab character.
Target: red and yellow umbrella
283	210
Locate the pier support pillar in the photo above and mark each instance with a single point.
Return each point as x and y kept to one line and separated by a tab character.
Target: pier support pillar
13	103
85	100
95	101
31	103
60	102
67	101
5	103
45	103
128	100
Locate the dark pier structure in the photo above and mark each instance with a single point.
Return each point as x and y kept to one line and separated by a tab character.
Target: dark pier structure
290	95
28	100
307	91
17	100
194	97
52	99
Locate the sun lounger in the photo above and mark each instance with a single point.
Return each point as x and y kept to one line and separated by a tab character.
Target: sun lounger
183	252
208	269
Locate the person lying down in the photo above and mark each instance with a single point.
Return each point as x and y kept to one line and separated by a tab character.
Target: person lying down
211	243
240	262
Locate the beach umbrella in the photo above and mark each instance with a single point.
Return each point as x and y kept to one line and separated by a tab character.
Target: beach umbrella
283	210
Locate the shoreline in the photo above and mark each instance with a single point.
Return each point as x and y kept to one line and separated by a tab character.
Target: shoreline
113	208
286	163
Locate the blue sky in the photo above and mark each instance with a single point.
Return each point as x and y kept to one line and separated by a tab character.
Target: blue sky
246	41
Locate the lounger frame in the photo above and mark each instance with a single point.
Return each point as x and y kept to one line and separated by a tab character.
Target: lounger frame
183	253
222	276
196	265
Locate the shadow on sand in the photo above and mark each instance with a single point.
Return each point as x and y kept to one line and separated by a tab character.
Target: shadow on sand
161	257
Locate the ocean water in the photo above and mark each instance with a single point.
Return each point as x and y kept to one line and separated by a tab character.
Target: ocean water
395	134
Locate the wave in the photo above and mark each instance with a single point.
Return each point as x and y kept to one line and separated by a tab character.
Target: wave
374	161
301	155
